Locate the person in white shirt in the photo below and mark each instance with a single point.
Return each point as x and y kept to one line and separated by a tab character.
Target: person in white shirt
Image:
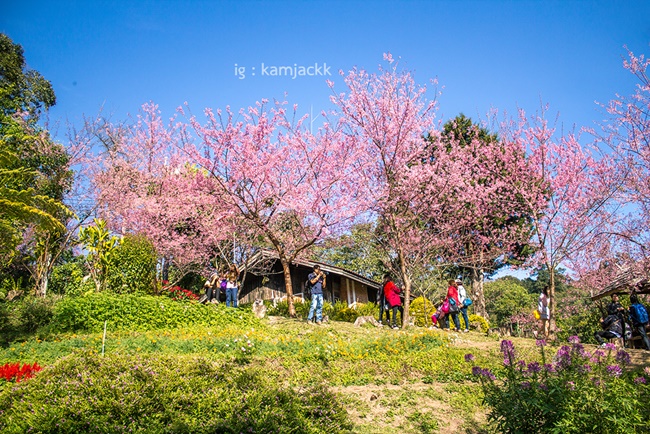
462	295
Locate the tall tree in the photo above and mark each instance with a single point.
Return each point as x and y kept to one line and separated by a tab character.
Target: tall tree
627	133
576	210
24	95
293	187
388	115
145	184
493	224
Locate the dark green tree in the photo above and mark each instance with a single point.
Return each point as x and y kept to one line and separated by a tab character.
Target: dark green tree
43	165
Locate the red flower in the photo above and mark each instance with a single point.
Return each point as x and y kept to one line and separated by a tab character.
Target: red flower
13	371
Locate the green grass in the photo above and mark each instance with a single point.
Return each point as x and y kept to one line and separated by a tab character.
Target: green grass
415	380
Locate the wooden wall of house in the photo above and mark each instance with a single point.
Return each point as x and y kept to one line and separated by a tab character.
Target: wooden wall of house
272	287
354	292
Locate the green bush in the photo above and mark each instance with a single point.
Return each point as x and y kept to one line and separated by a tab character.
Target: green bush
477	321
421	310
342	312
156	394
24	316
579	392
132	266
68	279
141	312
368	309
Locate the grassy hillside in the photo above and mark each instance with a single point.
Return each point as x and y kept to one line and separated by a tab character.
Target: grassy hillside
249	375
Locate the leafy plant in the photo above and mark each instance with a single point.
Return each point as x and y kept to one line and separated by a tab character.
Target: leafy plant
577	392
421	311
141	312
117	393
132	266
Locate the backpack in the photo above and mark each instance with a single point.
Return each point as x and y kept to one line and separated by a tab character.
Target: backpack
308	286
639	313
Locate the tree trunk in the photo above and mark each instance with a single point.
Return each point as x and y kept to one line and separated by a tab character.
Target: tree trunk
551	303
476	281
288	286
43	266
407	290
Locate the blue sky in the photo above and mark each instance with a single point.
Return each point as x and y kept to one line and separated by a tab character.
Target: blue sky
485	54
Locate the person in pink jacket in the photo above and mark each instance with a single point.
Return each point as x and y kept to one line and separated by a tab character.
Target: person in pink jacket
391	292
452	294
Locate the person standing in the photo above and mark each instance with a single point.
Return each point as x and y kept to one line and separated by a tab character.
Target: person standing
383	306
639	315
544	313
231	286
454	303
462	295
211	287
317	281
391	292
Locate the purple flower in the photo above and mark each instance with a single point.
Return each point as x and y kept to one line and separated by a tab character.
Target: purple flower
542	386
534	368
508	350
489	375
563	356
614	370
574	340
585	368
540	342
549	368
639	380
597	356
476	370
469	357
525	385
623	357
610	346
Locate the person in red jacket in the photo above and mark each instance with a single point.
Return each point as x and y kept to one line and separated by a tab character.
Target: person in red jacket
391	292
454	303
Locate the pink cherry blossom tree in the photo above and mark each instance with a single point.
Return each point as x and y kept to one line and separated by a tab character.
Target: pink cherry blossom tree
580	187
627	133
143	183
388	116
293	187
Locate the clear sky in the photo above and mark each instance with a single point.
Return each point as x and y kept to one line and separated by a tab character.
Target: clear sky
485	54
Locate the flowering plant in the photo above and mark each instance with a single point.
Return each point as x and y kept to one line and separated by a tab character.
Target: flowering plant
178	293
577	391
15	372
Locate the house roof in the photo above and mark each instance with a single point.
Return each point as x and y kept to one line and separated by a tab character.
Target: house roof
626	281
266	254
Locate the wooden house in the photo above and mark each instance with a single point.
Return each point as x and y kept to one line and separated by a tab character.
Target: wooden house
343	285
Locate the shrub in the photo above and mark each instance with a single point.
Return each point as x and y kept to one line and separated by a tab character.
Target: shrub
421	310
118	393
368	309
68	279
144	312
342	312
132	266
578	392
478	322
24	316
